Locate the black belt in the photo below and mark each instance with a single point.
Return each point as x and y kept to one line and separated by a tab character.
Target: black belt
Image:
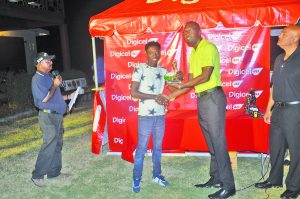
48	111
286	103
209	91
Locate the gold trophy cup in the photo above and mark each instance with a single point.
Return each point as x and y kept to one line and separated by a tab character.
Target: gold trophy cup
171	76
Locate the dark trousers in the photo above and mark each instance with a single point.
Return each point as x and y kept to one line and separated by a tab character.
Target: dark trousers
49	158
211	117
285	133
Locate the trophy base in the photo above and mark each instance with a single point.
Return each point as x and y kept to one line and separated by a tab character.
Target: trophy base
173	81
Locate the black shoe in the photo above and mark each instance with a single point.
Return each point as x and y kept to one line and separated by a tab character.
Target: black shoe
289	194
222	193
266	185
210	183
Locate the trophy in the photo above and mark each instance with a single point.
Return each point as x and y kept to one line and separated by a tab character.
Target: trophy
170	77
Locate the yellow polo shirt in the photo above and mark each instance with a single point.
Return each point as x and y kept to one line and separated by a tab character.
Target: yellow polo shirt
206	54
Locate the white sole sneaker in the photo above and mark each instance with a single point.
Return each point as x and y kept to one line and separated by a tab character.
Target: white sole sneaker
39	182
160	182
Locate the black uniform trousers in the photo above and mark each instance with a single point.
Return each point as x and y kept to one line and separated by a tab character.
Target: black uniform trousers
285	133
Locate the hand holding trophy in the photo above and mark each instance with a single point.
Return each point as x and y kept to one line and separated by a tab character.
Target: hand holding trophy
175	76
173	79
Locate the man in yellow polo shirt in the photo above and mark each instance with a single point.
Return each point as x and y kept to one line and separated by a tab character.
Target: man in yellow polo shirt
205	77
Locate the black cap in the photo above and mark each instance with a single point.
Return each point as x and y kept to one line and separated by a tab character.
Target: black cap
42	56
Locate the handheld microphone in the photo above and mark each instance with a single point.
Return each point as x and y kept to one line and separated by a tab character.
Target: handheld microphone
55	73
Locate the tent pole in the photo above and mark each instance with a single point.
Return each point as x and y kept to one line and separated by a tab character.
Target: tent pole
95	63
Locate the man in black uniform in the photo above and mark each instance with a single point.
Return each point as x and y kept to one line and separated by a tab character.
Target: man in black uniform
284	110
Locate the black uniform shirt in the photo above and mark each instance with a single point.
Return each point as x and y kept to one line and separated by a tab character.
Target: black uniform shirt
286	78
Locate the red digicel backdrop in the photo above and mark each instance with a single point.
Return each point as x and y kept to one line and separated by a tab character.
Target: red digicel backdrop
244	57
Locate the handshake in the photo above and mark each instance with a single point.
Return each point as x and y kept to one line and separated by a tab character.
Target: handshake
162	99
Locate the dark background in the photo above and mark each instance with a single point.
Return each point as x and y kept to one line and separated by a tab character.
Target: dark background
77	15
12	54
77	19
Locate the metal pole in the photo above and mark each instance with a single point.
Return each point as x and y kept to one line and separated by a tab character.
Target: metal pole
95	64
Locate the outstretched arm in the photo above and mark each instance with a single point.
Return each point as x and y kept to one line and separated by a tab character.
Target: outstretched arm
192	82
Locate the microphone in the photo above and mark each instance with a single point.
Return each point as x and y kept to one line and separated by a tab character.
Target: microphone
55	73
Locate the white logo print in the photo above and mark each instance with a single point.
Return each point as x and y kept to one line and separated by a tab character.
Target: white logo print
119	54
118	140
237	106
136	42
236	60
258	93
169	52
153	39
248	71
234	106
256	71
135	53
237	83
256	47
236	36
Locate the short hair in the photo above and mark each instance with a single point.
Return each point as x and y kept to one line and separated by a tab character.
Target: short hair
152	43
194	24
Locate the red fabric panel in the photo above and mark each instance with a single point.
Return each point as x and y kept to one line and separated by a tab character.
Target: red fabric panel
244	57
97	135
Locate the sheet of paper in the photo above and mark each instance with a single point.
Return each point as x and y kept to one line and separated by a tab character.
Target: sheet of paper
73	99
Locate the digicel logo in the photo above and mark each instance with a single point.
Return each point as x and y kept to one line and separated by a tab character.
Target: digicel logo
240	94
256	47
224	36
136	42
228	60
135	53
118	120
169	52
118	54
256	71
248	71
234	84
236	60
234	106
120	76
131	64
258	93
120	98
237	83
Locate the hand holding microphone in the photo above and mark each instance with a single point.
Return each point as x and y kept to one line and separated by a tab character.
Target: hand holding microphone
57	78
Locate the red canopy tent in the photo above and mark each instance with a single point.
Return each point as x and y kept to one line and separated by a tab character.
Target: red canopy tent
161	16
136	17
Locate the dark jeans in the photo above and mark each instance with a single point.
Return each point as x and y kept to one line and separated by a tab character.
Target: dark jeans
285	133
49	158
211	116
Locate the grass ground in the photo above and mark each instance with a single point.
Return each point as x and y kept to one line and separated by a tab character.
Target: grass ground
103	176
